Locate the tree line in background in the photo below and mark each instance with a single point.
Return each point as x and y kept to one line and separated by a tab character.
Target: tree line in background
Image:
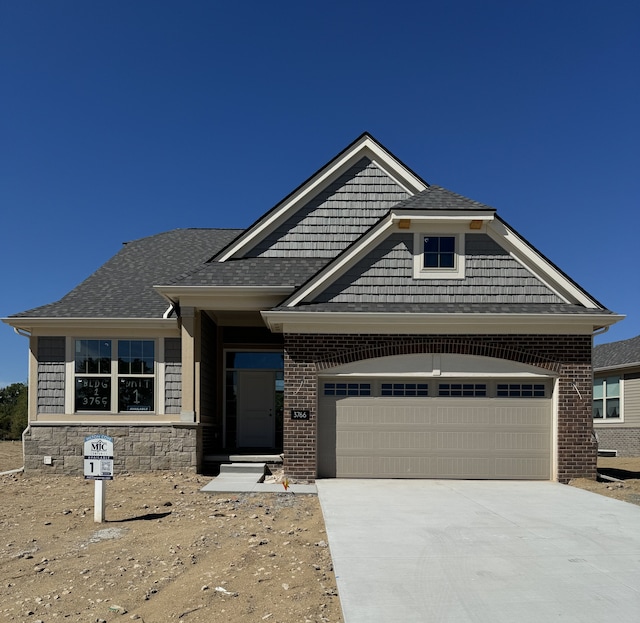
13	410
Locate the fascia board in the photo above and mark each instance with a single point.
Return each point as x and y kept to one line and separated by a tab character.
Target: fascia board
539	265
366	146
342	263
401	323
624	367
136	324
442	216
243	298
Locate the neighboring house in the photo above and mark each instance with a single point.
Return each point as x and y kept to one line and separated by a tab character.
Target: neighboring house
616	397
369	325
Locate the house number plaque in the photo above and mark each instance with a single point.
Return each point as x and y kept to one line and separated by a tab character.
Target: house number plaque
299	414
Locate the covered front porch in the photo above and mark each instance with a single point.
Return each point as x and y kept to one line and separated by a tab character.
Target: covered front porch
232	379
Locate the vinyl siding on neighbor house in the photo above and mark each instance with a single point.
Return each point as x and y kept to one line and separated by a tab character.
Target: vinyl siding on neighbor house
336	217
386	275
632	399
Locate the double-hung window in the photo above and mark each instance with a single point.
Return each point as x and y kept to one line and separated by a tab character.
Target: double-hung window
114	376
606	398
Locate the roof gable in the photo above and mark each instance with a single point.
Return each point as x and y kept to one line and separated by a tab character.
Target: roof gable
386	275
377	265
335	217
361	182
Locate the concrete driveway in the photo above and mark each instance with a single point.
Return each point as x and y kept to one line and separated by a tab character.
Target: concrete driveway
482	551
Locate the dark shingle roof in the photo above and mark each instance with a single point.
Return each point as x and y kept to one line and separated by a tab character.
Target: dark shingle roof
622	353
438	198
253	271
123	287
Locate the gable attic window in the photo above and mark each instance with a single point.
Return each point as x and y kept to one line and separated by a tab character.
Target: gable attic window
438	255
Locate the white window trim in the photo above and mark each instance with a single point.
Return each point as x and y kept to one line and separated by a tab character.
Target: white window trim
420	272
611	420
158	378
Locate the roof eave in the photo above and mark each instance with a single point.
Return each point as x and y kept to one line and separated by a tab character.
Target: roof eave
241	298
620	366
283	321
30	323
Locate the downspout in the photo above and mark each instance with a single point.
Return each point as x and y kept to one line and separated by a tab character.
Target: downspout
20	469
594	432
601	331
27	430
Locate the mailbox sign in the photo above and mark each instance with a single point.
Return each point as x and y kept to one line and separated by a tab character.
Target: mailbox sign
98	457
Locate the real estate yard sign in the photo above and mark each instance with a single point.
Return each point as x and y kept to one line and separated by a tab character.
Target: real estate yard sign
98	466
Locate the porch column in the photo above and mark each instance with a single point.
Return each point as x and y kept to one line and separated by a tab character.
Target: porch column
188	331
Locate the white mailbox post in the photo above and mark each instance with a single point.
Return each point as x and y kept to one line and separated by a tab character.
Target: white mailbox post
98	466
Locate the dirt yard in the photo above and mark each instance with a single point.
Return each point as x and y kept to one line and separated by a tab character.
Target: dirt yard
166	552
170	553
627	471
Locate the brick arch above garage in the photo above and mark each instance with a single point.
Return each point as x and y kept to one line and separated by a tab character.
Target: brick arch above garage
546	352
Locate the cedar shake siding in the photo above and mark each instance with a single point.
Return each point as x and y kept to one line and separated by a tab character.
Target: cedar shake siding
51	374
172	375
336	217
386	276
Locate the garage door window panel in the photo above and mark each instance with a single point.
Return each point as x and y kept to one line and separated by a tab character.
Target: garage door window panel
462	390
520	390
347	389
404	389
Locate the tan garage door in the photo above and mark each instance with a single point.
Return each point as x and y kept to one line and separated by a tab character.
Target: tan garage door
490	438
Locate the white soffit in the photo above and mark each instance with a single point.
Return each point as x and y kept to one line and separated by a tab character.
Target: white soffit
367	147
283	321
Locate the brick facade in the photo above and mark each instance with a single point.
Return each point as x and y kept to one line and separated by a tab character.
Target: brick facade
135	448
568	356
625	440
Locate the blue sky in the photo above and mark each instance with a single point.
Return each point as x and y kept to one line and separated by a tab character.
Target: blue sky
120	120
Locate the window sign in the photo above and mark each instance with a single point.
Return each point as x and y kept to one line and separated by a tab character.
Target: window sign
98	372
93	393
135	394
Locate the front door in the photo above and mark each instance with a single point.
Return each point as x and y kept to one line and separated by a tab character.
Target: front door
256	408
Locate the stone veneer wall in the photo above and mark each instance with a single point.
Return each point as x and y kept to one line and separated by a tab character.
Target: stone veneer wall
136	448
568	356
625	440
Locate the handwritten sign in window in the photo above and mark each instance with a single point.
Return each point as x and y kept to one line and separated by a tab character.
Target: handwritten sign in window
135	394
93	393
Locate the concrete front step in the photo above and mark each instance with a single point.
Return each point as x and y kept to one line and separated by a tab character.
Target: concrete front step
243	458
243	469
